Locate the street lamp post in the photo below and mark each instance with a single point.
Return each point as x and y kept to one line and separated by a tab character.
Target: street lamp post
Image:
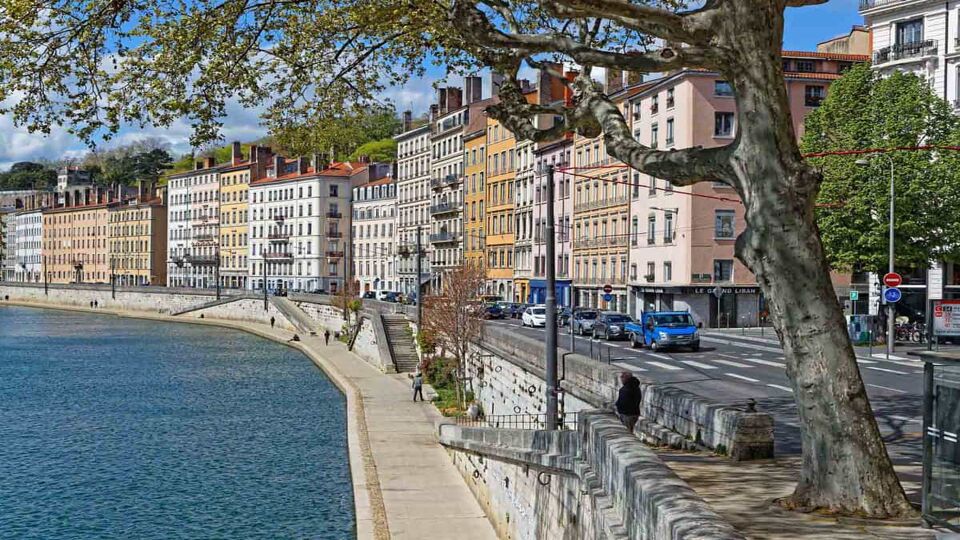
891	312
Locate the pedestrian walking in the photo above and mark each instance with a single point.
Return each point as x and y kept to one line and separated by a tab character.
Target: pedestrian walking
418	386
628	400
272	322
326	337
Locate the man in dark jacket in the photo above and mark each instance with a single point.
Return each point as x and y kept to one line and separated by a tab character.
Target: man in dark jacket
628	400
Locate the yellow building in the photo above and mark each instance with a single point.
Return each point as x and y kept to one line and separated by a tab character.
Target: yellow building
75	240
474	192
138	239
235	180
499	226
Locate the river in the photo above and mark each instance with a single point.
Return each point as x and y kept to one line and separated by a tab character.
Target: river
124	428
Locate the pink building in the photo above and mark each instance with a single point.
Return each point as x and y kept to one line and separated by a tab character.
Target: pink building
682	246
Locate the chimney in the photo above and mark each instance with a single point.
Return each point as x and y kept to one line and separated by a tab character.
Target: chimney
198	165
303	163
140	191
254	153
496	81
236	153
454	99
525	86
434	112
210	162
407	120
474	89
278	164
614	80
442	100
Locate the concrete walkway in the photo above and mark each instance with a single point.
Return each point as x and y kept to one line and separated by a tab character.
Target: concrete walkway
405	484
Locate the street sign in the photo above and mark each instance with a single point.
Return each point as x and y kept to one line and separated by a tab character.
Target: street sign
718	291
946	317
854	296
607	289
892	279
607	297
892	295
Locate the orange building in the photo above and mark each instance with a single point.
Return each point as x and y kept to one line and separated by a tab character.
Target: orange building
75	243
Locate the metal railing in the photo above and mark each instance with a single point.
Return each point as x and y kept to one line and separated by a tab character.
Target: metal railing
444	207
566	421
905	50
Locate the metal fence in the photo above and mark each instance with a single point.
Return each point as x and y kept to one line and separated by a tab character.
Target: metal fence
566	421
941	449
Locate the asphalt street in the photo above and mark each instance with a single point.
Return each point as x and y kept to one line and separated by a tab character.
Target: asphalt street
731	367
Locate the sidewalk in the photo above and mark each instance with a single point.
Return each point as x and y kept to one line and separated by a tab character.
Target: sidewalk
743	492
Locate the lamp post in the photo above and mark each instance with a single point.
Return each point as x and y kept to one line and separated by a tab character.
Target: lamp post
891	312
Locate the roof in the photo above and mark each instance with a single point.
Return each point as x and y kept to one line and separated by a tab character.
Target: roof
240	165
807	75
478	122
826	56
339	169
386	180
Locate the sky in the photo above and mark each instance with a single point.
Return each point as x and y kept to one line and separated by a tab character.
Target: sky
805	27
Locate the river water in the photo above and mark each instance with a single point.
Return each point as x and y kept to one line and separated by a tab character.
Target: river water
121	428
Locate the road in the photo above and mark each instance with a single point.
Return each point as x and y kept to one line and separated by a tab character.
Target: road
731	367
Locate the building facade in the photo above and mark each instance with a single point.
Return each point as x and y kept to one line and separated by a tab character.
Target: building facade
523	220
234	241
500	203
374	234
474	184
137	243
194	222
414	153
29	246
557	154
446	182
8	229
75	241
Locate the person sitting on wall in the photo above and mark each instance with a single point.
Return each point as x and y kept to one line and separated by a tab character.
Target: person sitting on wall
628	400
294	338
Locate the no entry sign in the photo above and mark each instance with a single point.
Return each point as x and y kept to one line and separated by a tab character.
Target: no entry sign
892	279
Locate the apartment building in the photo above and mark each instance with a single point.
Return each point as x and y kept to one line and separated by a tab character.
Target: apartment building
74	238
194	222
448	119
414	152
475	174
137	238
374	234
29	245
500	224
234	241
523	219
558	154
682	239
8	233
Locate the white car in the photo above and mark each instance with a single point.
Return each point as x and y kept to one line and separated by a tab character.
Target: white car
534	316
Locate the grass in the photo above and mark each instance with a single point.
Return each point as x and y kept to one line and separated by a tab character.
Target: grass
440	373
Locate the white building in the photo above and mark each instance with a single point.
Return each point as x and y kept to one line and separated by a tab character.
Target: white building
917	36
8	243
300	225
374	235
446	172
29	244
523	226
194	226
413	203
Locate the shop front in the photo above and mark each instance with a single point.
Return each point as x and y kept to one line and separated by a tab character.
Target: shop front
736	306
538	292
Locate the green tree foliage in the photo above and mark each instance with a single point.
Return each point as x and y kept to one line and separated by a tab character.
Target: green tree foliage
863	111
343	134
28	175
382	150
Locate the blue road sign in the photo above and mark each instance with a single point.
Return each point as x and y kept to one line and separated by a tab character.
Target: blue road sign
607	297
892	295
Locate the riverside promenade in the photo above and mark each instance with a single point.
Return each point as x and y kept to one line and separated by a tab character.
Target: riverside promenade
405	484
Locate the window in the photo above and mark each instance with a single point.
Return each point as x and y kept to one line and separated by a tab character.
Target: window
724	224
333	190
670	100
654	135
651	229
668	228
910	33
654	104
723	124
637	108
722	88
651	271
667	271
805	66
813	95
722	270
669	131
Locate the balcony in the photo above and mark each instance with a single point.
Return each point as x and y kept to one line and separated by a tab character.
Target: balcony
444	208
278	237
602	203
334	234
870	4
903	51
278	256
334	254
203	238
280	218
202	260
448	180
334	214
443	237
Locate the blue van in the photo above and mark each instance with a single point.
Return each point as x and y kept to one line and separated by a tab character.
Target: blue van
664	329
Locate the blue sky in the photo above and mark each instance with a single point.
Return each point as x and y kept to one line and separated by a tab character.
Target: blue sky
805	27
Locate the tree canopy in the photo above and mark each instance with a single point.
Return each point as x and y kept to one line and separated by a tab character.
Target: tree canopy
864	110
28	175
384	150
340	135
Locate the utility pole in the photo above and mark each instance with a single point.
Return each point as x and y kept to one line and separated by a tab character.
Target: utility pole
419	292
217	270
265	307
113	278
891	307
46	289
551	306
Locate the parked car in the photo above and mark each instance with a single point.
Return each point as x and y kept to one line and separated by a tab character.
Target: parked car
663	329
583	321
563	316
492	311
610	325
534	316
511	310
391	297
369	295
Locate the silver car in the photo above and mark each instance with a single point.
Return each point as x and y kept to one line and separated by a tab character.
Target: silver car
583	321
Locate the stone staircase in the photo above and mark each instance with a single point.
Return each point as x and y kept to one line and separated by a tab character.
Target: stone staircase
295	315
212	303
400	341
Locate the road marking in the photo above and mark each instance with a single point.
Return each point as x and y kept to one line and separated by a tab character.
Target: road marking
629	367
888	388
888	370
748	338
863	361
883	356
731	364
664	366
765	362
741	377
784	388
660	356
905	419
777	350
698	364
728	356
